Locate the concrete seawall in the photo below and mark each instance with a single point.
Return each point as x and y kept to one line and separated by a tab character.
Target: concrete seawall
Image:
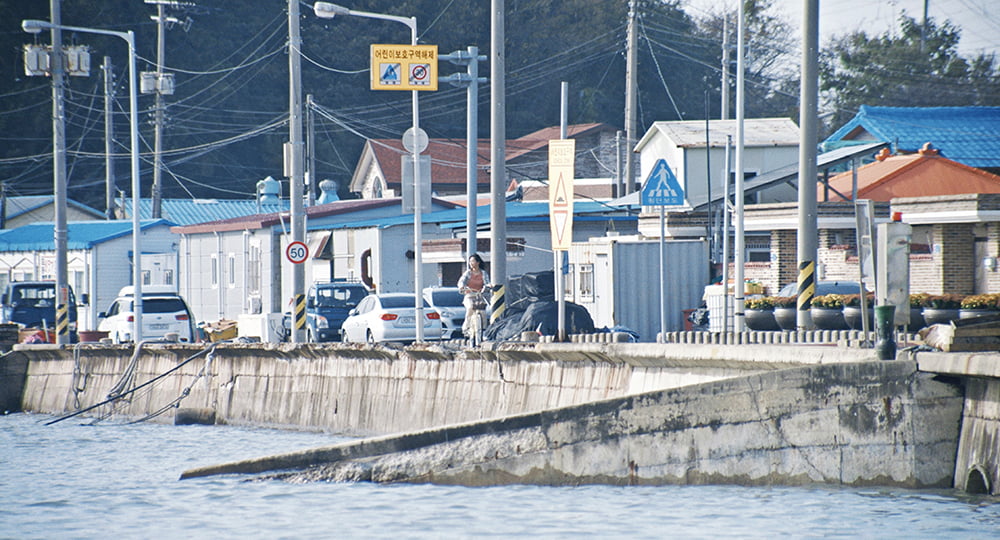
541	413
364	390
875	423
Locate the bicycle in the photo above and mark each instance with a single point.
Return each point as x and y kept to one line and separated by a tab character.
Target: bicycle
476	323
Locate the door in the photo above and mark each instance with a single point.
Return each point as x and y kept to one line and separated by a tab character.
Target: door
603	291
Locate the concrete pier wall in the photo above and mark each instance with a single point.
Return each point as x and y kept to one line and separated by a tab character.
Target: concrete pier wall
366	390
874	423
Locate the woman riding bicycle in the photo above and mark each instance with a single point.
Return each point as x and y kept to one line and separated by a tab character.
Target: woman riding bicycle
472	284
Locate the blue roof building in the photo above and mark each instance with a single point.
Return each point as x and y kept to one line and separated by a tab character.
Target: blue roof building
968	135
192	211
99	258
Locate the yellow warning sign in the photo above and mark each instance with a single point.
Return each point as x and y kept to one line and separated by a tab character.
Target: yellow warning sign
404	67
562	156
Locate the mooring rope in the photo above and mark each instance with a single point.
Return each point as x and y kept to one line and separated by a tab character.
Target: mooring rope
207	350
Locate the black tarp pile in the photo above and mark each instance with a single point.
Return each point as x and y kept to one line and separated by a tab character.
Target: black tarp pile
531	306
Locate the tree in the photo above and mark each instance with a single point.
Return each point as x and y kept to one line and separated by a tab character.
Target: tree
771	76
904	70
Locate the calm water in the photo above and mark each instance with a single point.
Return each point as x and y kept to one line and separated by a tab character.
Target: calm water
73	480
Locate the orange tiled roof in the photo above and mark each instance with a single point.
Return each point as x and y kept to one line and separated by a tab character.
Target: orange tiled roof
923	174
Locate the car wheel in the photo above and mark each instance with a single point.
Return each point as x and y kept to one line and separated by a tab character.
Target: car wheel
371	337
310	337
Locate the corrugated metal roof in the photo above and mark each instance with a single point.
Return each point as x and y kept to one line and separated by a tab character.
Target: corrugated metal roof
27	203
516	211
191	211
968	135
756	132
79	234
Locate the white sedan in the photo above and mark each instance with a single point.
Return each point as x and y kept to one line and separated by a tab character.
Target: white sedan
388	317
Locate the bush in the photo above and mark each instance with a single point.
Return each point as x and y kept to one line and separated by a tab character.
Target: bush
762	303
854	300
918	299
981	301
943	301
833	301
784	301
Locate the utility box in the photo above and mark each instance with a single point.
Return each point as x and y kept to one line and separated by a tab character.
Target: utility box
265	326
617	279
892	269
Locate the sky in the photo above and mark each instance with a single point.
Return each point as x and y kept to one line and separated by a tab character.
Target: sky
979	20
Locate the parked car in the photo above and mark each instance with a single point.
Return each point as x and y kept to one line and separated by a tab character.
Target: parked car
327	306
823	287
163	311
447	301
32	304
389	317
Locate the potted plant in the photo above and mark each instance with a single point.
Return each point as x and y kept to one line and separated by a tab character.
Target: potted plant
852	311
979	305
917	302
828	312
759	314
784	311
941	308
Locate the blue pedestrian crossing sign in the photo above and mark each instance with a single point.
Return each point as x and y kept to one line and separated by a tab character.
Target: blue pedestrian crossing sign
662	188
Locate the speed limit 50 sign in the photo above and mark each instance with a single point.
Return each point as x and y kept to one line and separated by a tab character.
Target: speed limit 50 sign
297	252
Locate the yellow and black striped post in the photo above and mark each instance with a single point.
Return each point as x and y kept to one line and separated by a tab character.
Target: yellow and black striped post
62	323
498	303
807	289
299	314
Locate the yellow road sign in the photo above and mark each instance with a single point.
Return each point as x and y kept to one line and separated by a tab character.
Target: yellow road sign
562	154
404	67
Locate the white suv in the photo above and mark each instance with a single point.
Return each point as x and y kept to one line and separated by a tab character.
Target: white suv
163	312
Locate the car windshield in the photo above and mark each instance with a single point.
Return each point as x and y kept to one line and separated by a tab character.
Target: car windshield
161	305
339	296
406	301
447	297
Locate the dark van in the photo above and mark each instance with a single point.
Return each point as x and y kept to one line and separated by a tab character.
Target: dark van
32	304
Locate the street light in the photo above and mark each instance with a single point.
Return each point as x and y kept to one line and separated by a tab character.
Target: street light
326	10
33	26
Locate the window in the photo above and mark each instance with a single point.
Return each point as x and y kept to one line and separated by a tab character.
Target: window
215	270
568	283
758	248
147	277
586	281
168	276
253	270
231	269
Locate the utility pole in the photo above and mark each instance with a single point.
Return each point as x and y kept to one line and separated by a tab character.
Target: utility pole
293	163
739	287
109	136
808	240
158	132
631	82
498	150
471	80
164	86
59	177
724	115
311	149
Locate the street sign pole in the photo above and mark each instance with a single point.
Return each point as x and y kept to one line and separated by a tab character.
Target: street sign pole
662	189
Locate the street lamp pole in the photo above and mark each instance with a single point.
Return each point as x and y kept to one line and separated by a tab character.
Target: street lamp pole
326	10
33	26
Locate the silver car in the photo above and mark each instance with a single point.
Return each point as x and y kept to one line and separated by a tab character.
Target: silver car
447	301
388	317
